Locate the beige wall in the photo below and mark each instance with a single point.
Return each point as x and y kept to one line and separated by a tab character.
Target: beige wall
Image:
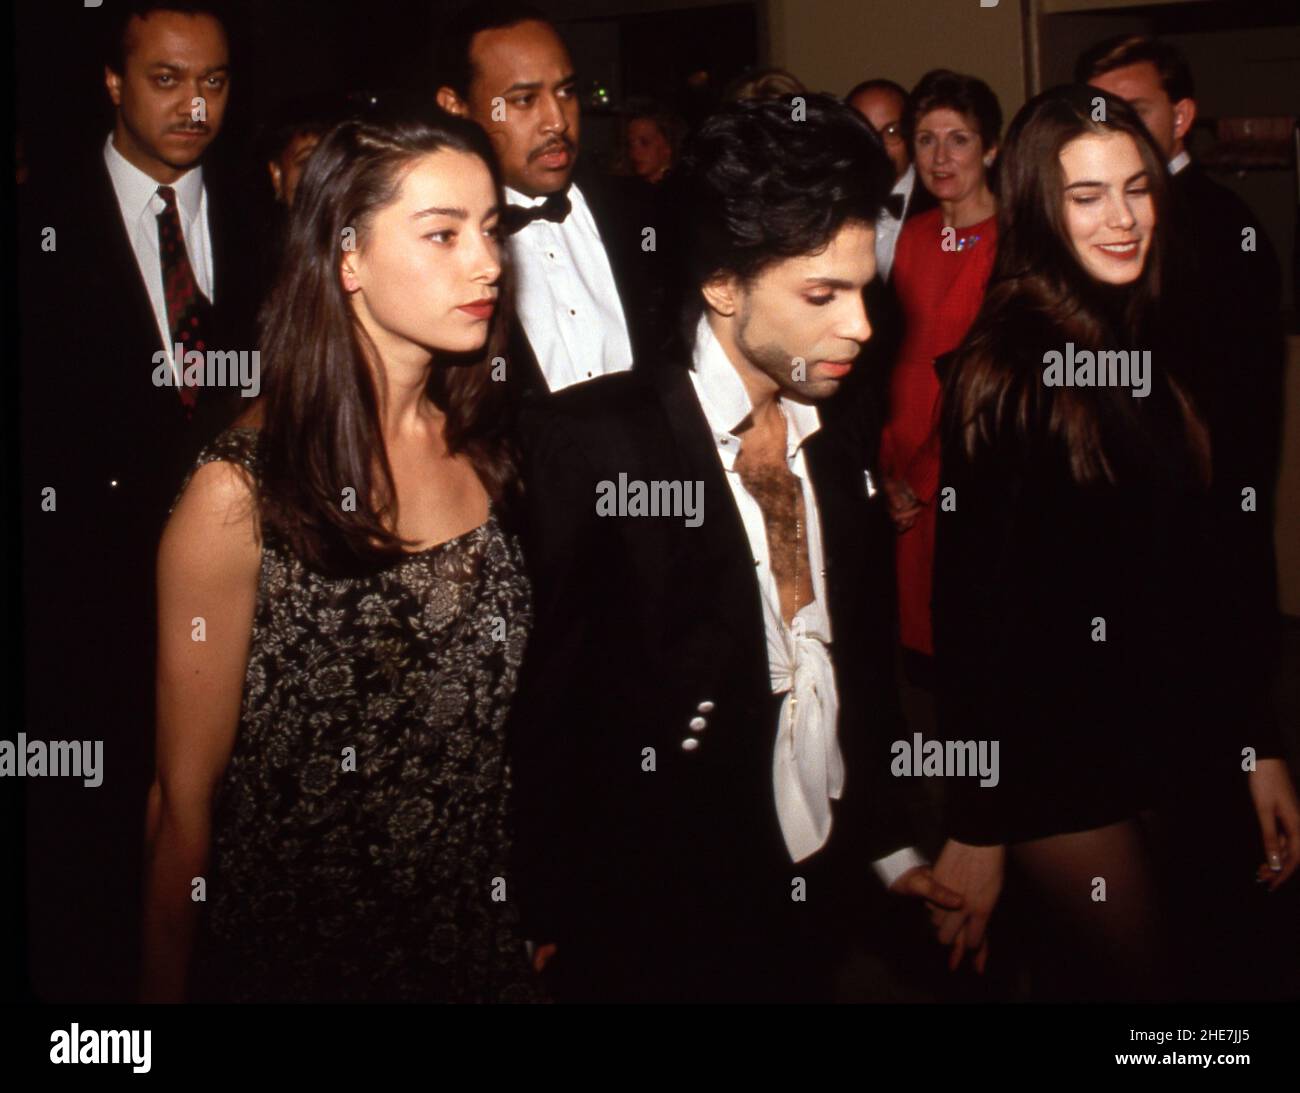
833	44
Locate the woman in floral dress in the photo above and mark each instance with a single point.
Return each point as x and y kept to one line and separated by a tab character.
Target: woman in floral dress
342	613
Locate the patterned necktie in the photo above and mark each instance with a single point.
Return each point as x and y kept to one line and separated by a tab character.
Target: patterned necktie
188	310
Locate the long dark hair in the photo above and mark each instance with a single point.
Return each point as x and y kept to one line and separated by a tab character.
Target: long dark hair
1038	287
321	430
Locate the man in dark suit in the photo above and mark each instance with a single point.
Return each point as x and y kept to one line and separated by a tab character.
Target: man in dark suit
883	102
134	255
701	740
585	295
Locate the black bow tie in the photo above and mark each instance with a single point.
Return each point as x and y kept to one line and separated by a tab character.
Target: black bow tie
517	217
895	204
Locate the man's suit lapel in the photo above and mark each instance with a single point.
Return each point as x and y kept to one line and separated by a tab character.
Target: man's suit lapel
720	562
840	488
620	225
524	376
123	297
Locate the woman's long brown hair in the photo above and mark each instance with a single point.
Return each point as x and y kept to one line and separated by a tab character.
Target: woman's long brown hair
321	428
1038	288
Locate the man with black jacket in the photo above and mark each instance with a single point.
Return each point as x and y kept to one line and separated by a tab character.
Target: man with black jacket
126	254
585	295
702	737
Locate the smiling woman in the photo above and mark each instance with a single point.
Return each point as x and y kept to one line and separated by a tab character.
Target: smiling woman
1079	613
331	758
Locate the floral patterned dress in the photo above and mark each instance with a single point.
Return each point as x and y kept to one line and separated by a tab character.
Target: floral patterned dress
359	831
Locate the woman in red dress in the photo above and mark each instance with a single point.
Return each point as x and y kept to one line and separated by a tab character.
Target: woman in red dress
940	268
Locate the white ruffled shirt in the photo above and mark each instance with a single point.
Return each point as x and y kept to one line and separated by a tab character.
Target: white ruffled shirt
807	767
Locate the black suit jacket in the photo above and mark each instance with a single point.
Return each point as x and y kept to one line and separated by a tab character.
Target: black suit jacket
1228	302
622	213
114	449
1225	303
91	411
643	624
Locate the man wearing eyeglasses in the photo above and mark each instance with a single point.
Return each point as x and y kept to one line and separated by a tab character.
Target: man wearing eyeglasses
881	102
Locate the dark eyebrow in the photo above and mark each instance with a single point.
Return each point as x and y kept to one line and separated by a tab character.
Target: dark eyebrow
456	213
181	68
435	210
536	85
1090	182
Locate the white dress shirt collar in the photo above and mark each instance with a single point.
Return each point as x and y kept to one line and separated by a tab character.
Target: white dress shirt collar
1179	162
726	403
135	189
514	197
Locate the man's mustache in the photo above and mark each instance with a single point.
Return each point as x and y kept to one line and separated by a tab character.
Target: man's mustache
563	143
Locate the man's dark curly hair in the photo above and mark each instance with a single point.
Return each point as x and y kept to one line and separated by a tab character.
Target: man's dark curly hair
765	181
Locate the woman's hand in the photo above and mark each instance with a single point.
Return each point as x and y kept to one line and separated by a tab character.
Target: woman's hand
1279	820
904	505
919	883
976	872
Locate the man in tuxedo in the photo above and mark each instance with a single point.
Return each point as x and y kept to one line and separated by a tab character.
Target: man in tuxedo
130	253
584	294
701	739
882	102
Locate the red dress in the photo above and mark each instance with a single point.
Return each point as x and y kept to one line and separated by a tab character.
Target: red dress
939	291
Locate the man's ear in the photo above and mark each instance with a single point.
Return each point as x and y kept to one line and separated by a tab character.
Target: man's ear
113	81
449	101
1184	116
721	293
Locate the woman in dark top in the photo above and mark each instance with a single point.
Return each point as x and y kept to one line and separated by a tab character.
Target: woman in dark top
1079	620
341	613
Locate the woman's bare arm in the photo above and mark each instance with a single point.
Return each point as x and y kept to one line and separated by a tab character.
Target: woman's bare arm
208	564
